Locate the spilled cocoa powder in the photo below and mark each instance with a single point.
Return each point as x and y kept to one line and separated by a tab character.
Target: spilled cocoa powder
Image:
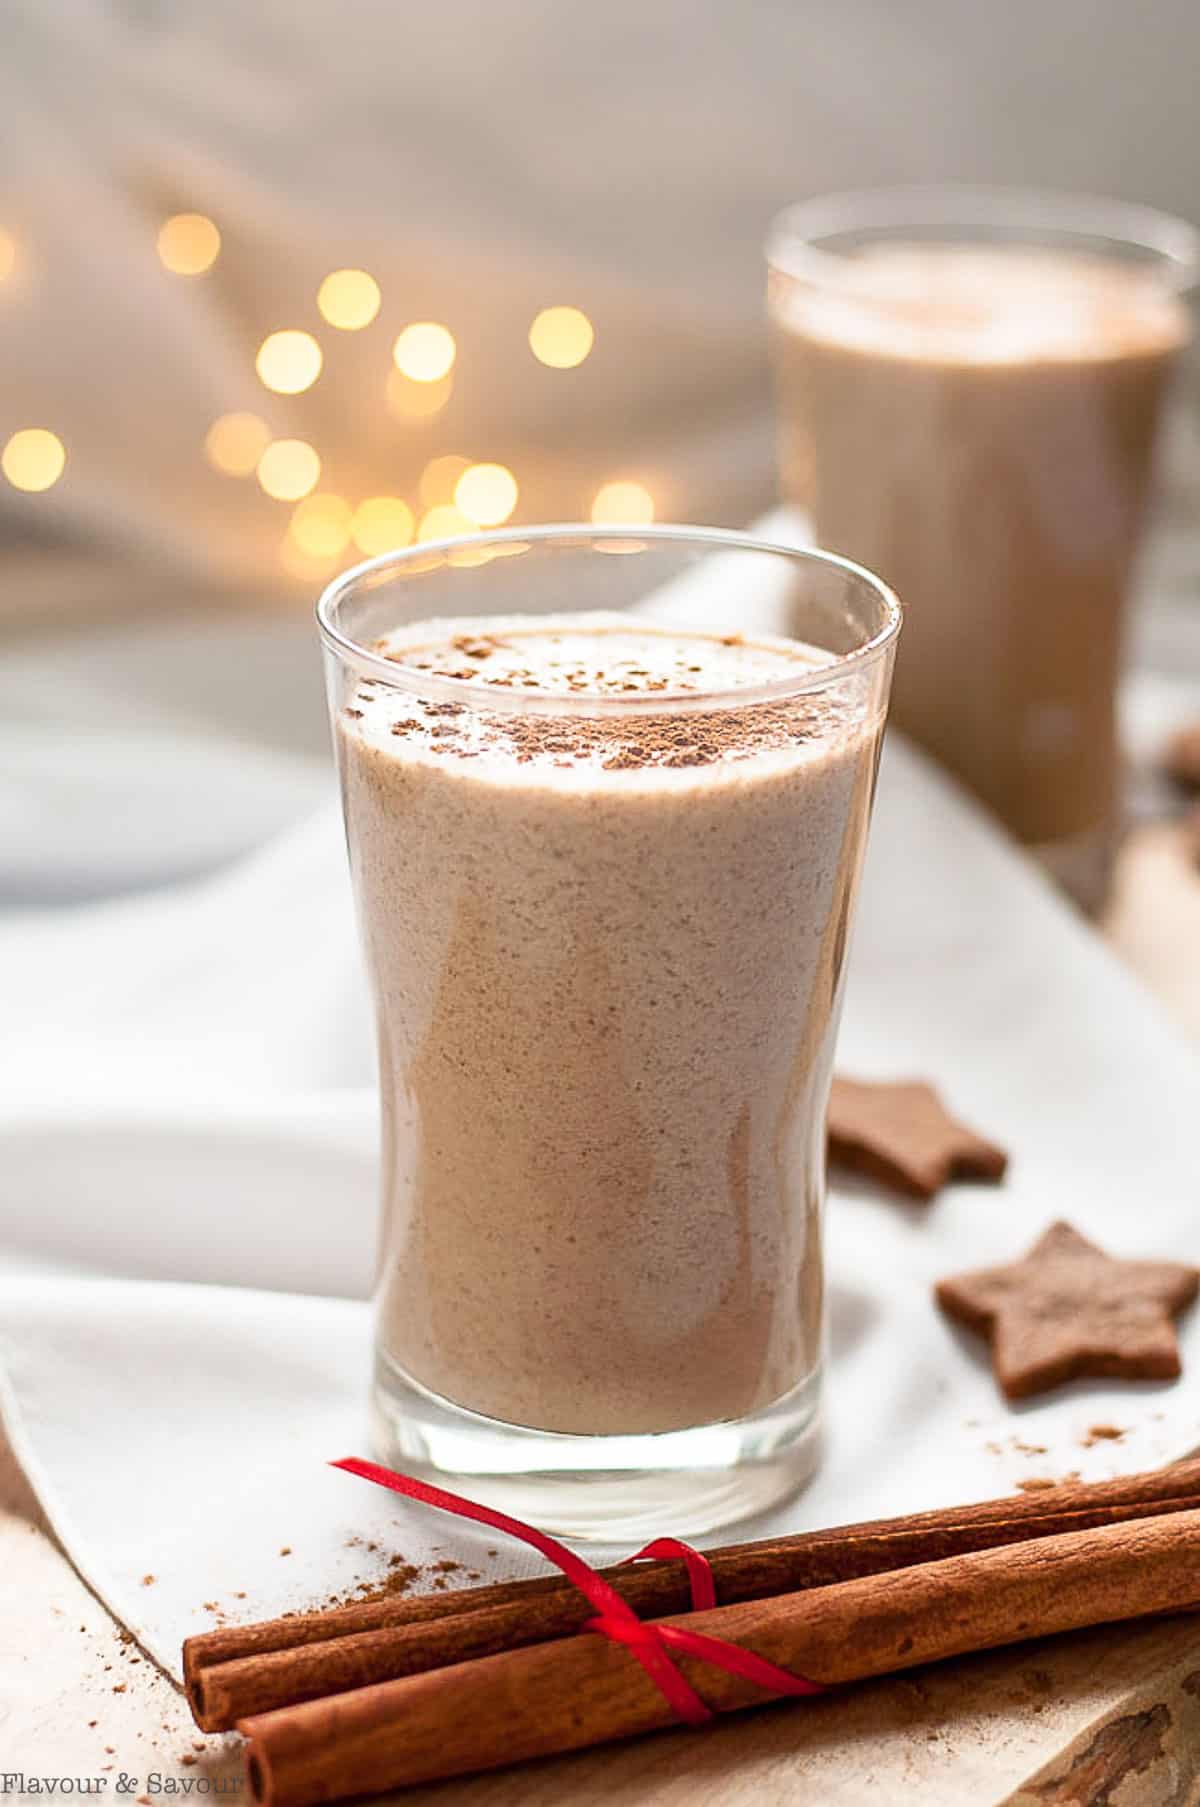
1041	1483
401	1578
1102	1433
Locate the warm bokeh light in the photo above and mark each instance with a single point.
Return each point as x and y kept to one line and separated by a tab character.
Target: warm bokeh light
443	522
561	337
303	565
417	401
425	351
188	244
439	478
349	299
380	524
8	254
486	494
623	504
235	443
34	459
289	469
321	525
288	362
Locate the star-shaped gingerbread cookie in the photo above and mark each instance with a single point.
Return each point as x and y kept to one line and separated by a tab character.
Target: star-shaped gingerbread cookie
902	1134
1067	1309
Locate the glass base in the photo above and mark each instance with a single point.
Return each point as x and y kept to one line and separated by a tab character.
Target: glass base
601	1489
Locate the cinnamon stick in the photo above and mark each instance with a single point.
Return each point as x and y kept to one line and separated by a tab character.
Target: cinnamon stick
245	1670
586	1690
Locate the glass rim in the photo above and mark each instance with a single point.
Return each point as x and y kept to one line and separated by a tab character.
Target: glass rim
497	699
793	238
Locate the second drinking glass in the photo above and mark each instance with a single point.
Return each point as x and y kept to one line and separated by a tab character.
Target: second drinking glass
971	382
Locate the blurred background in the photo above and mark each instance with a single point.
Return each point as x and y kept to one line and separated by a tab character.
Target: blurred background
287	283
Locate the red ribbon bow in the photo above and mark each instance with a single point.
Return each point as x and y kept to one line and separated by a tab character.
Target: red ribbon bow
654	1645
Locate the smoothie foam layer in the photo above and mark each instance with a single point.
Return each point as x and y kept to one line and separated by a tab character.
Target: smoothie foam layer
601	657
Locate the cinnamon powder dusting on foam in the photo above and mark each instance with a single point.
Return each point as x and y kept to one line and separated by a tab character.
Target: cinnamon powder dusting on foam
603	657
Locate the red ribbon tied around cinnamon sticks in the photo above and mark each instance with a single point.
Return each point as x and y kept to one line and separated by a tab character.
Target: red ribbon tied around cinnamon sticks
654	1646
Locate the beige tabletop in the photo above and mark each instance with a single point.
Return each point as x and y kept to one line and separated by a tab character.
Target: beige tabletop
1107	1716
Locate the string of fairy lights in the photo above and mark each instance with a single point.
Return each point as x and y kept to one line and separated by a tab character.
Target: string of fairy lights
453	493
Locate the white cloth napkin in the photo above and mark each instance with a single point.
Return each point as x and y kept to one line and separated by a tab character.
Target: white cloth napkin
187	1105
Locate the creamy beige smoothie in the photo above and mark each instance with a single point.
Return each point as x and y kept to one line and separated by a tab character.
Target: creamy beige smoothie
607	954
977	425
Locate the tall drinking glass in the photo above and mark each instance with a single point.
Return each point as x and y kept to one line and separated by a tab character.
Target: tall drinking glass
971	382
606	794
